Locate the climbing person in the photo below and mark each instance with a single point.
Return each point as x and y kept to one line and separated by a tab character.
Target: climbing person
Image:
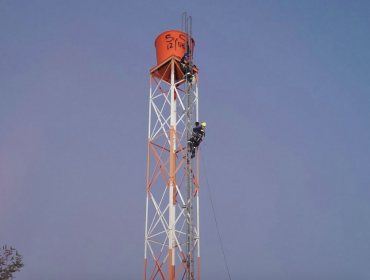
186	69
196	139
191	141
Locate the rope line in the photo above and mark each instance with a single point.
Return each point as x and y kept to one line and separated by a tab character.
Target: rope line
214	215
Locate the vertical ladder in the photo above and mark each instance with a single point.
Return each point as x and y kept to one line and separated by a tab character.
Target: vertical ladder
186	27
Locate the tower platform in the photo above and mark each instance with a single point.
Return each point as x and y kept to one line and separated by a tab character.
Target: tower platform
163	70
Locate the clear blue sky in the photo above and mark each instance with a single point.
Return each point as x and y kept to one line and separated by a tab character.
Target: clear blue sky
284	89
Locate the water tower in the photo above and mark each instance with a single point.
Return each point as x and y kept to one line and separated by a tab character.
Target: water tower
172	241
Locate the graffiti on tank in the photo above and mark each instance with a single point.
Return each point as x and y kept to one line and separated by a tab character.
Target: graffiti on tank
174	43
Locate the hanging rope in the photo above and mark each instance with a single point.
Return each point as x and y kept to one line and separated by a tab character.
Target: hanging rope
214	215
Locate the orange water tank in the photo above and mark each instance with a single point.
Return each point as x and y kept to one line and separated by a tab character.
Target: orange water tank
169	43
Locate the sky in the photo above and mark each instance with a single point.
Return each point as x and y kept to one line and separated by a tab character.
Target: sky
284	88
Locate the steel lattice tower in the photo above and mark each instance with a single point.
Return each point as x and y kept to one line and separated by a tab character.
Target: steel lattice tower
172	201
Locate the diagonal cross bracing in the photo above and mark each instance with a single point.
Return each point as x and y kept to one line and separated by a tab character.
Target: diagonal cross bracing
172	110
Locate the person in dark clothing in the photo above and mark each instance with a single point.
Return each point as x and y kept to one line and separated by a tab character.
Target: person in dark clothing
186	69
196	139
